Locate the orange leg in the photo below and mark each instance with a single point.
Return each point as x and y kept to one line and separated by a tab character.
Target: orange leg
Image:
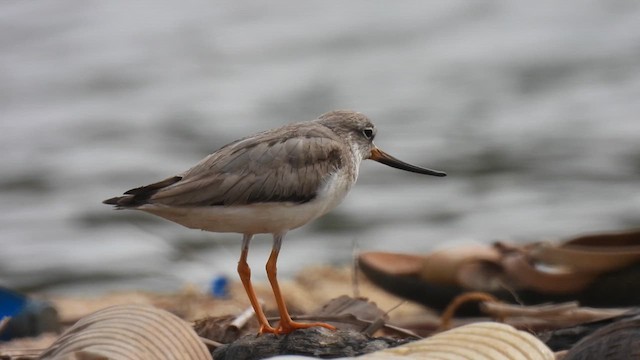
245	277
286	324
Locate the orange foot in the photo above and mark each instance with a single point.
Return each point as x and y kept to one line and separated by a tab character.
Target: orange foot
290	326
267	329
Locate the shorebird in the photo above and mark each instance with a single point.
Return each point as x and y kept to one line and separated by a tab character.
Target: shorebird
270	182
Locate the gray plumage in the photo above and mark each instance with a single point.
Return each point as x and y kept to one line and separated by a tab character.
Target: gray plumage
288	164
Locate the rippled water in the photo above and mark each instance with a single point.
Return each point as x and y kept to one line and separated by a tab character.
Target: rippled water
532	109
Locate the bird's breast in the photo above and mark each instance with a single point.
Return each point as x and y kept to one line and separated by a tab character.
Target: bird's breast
335	189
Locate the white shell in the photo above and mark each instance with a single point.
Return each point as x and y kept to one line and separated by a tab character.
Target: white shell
478	341
129	332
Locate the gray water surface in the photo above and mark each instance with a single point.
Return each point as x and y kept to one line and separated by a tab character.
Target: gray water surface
531	107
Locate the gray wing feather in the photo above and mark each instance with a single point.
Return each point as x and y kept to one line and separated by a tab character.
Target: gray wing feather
286	166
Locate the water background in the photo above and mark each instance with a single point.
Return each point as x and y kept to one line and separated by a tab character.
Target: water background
531	107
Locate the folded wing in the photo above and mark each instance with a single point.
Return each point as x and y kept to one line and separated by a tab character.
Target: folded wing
290	165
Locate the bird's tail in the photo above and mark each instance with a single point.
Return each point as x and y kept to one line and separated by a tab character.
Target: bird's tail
140	195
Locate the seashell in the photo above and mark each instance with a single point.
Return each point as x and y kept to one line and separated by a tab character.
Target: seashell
129	332
478	341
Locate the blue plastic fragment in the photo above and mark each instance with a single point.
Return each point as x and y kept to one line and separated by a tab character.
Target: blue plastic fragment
11	302
29	317
220	287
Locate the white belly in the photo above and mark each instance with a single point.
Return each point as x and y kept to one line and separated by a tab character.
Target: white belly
256	218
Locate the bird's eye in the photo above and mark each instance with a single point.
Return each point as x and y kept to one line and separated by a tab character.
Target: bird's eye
368	133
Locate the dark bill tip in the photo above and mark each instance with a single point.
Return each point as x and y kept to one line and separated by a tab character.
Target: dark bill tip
384	158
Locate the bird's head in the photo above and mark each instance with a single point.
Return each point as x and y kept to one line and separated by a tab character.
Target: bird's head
359	132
